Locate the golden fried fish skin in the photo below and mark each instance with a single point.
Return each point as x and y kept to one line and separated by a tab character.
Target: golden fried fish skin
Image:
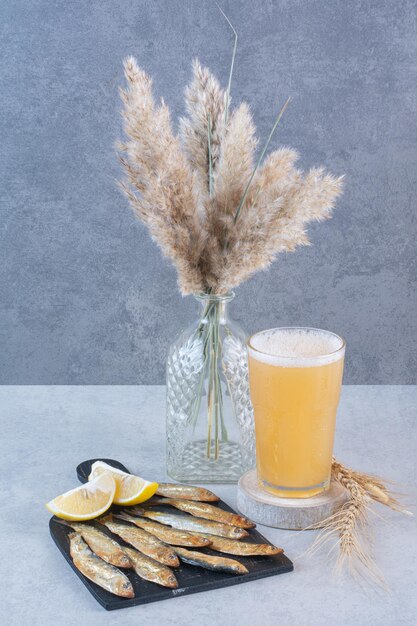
187	492
241	548
151	570
168	535
105	547
98	571
205	511
215	563
142	541
196	524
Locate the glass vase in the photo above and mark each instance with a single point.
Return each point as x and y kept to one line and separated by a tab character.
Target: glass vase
210	433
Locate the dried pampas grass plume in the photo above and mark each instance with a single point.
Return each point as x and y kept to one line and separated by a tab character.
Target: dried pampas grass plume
159	183
205	105
217	215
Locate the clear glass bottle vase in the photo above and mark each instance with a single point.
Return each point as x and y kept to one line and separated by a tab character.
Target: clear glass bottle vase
210	433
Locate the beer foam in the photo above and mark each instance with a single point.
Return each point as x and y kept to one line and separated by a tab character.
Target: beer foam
296	347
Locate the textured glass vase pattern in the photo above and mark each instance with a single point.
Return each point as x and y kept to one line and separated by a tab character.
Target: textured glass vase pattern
210	432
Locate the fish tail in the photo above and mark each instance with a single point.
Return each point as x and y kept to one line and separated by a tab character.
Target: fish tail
136	510
155	501
63	522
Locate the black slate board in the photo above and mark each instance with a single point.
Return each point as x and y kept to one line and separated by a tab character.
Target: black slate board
190	579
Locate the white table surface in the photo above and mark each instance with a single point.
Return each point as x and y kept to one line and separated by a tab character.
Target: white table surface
47	431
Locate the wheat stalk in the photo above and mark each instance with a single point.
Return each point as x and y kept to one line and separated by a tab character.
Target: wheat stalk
349	525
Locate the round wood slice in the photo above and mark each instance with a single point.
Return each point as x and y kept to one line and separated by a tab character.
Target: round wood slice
289	513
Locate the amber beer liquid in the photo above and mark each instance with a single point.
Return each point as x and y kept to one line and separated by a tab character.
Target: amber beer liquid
295	378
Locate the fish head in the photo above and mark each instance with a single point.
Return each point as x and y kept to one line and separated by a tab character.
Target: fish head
171	581
174	562
205	541
124	588
125	561
77	545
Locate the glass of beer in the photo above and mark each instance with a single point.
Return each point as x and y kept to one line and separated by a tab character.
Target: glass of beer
295	376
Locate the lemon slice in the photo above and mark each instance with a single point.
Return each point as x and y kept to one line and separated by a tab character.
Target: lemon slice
130	489
85	502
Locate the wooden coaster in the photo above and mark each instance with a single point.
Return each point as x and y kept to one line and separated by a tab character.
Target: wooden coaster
289	513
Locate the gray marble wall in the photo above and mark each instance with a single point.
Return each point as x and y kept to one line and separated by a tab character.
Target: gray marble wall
85	297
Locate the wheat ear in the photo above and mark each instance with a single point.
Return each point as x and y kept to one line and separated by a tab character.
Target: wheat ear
350	523
374	487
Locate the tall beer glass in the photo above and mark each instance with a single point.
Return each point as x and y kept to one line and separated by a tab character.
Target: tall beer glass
295	376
